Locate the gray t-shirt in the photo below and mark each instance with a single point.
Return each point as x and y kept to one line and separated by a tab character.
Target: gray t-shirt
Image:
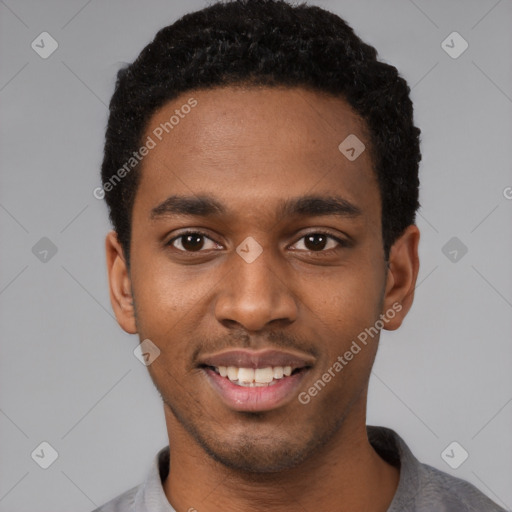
421	488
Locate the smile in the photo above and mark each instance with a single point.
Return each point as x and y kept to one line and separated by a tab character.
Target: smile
253	381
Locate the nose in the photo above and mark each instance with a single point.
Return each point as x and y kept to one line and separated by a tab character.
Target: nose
255	294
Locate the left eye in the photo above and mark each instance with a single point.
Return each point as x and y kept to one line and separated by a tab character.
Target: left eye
317	242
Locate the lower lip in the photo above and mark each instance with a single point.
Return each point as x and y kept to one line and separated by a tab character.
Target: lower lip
252	399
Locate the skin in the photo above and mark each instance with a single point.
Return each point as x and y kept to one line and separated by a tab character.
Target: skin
251	149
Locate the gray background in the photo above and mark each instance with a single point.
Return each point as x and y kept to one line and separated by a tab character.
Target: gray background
68	375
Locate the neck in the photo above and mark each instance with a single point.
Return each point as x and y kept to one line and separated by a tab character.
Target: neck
346	474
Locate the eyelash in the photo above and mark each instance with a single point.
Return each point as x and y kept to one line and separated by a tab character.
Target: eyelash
342	243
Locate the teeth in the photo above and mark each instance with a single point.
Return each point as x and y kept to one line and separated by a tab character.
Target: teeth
278	372
250	377
245	374
250	384
264	375
232	373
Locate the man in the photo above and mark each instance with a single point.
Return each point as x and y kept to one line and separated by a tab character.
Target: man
261	171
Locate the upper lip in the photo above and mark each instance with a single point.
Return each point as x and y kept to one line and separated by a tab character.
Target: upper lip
256	359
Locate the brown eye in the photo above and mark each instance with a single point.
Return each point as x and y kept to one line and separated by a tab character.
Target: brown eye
192	242
319	242
315	242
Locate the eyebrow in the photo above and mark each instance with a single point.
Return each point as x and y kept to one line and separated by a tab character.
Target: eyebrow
304	206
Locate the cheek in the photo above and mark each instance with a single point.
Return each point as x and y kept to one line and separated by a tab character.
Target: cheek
344	309
163	290
348	339
170	305
347	299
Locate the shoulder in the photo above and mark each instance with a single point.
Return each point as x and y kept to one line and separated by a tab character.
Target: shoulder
449	493
123	503
149	494
423	488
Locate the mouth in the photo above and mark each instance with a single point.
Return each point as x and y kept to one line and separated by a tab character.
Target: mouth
255	381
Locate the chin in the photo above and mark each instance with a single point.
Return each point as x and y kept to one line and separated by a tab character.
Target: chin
252	457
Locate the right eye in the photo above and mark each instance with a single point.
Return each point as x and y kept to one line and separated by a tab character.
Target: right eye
191	241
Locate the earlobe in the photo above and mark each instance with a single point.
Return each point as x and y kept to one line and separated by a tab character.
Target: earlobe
119	284
403	270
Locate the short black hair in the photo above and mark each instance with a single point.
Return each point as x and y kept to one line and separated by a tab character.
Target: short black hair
269	43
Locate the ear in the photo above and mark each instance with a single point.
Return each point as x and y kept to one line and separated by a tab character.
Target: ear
120	284
403	269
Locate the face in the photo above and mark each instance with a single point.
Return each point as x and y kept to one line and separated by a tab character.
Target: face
257	244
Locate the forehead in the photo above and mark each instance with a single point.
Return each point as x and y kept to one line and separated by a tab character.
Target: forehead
252	147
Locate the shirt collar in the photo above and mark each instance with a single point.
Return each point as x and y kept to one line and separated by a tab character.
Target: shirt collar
151	495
